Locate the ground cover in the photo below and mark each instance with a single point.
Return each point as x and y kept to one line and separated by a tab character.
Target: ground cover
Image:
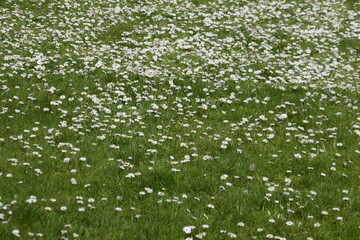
179	119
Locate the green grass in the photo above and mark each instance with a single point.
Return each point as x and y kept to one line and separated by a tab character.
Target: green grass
145	106
352	5
347	44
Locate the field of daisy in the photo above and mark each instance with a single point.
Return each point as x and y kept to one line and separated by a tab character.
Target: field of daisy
179	119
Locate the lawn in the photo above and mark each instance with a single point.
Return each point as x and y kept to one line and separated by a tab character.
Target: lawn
179	119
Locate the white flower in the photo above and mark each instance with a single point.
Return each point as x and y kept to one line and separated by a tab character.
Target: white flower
130	175
317	224
16	232
232	235
210	206
282	116
287	181
223	177
32	199
289	223
241	224
188	229
201	235
73	181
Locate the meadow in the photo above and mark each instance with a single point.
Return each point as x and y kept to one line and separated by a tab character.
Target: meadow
179	119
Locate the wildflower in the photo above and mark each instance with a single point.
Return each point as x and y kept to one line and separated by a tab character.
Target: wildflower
223	177
232	235
282	116
287	181
130	175
210	206
16	232
201	235
241	224
317	225
289	223
31	200
188	229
